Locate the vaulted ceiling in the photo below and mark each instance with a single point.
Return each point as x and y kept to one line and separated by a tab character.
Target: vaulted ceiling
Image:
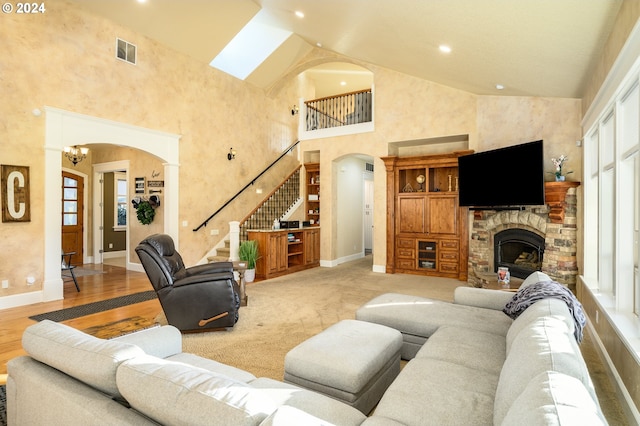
531	47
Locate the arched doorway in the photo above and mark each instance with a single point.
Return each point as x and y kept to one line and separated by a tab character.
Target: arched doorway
65	128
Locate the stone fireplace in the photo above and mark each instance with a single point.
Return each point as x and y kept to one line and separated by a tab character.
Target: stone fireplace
533	238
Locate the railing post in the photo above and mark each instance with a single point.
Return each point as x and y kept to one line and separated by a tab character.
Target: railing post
234	240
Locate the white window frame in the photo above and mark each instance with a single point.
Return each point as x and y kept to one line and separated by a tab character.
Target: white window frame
611	255
117	176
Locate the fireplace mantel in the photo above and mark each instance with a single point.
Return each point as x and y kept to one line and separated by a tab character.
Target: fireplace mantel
554	196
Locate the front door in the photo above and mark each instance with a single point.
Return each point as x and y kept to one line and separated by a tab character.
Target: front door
72	209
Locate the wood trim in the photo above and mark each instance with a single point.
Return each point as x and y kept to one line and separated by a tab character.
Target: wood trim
554	196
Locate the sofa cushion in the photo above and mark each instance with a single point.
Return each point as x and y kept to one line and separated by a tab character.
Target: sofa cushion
471	348
481	297
552	308
213	366
553	398
440	393
420	316
178	394
323	409
545	345
89	359
533	278
528	296
286	415
161	341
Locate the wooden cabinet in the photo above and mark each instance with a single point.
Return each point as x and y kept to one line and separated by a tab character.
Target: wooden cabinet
286	250
426	228
312	183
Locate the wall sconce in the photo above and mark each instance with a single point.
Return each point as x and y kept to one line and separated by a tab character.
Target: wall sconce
231	155
75	154
294	110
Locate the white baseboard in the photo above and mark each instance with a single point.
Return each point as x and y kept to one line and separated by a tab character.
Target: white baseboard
22	299
344	259
135	267
112	254
382	269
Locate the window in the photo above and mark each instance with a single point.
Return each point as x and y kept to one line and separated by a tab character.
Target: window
612	200
70	195
120	201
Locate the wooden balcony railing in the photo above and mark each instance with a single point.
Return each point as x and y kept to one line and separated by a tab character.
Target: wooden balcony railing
339	110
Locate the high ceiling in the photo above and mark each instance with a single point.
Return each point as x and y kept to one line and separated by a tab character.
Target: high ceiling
531	47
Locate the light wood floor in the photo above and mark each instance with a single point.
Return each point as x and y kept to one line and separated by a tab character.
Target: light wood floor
117	281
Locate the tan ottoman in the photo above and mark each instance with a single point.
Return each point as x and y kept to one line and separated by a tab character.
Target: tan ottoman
352	361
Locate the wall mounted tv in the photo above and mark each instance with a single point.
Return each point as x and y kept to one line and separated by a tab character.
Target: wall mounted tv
502	178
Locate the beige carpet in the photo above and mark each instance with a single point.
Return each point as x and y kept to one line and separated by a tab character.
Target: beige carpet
283	312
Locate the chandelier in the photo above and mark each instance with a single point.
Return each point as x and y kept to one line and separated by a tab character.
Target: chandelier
75	154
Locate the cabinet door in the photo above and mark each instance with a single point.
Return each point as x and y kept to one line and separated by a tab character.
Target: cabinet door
443	214
411	214
312	246
277	256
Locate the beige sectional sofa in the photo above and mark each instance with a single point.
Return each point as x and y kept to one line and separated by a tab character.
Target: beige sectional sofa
469	364
144	378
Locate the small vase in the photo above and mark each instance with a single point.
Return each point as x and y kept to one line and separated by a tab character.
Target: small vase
560	178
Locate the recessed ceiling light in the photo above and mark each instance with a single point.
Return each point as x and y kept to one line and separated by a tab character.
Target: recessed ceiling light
444	48
319	44
299	14
499	86
343	83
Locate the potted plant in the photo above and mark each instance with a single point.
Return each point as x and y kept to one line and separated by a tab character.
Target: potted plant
248	252
558	162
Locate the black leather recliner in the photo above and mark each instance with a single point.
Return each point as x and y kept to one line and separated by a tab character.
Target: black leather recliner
198	298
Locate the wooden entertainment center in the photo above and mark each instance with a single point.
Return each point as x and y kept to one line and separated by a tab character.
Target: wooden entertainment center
426	229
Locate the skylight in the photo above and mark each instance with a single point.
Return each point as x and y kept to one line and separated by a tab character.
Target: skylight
249	48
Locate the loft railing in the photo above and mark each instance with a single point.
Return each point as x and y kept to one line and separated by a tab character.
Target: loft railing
339	110
274	206
229	201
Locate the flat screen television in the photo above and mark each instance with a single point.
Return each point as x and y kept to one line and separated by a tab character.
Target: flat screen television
504	177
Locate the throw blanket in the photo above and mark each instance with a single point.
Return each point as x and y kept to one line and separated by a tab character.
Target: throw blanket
531	294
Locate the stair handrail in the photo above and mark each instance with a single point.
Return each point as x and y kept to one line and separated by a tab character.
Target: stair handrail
230	200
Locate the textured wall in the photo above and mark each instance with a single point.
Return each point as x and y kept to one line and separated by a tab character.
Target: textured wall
65	59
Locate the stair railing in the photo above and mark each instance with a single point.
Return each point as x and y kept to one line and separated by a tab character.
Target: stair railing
229	201
339	110
274	205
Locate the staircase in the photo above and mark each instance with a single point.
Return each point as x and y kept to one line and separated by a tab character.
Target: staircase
275	206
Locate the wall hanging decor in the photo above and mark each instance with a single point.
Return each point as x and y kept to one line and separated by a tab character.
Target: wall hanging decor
145	208
15	194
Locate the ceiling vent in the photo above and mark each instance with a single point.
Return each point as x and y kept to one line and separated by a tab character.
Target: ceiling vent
126	51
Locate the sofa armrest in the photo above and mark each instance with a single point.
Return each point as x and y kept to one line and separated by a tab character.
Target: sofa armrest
210	268
482	297
161	342
212	278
